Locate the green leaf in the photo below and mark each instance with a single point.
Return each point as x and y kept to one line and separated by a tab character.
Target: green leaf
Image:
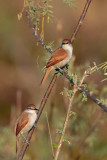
59	131
55	145
49	6
84	99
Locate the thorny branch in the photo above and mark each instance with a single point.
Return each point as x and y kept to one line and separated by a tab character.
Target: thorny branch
88	94
68	113
92	97
47	93
34	33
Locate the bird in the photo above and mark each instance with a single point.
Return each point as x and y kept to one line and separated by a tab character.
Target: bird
25	122
59	58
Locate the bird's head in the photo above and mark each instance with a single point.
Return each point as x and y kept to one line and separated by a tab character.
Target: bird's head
66	44
32	107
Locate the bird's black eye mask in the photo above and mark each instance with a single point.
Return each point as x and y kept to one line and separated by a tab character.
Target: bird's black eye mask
65	43
33	108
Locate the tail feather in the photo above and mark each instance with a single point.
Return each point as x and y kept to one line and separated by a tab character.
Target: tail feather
17	143
45	76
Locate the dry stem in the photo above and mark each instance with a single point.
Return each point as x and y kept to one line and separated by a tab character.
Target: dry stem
65	124
50	135
68	114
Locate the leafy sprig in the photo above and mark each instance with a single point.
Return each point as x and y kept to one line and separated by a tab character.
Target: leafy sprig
71	3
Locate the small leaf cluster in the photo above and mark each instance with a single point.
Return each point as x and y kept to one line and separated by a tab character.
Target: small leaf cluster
84	97
47	56
39	9
50	45
68	91
59	131
105	72
101	101
70	3
97	68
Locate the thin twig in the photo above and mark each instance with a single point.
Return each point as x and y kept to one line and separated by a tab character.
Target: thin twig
68	113
50	135
33	32
80	20
65	123
44	100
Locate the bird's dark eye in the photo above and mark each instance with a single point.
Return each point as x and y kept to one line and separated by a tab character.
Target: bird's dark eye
65	42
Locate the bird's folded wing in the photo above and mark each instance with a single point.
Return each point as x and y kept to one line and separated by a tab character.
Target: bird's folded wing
22	121
57	56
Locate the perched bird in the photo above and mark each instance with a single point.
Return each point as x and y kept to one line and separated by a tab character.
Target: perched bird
59	58
25	122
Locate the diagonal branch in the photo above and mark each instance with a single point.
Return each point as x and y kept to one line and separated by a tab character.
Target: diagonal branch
80	20
34	33
41	107
92	97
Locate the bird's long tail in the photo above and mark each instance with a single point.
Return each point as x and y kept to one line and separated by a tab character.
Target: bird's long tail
17	143
46	75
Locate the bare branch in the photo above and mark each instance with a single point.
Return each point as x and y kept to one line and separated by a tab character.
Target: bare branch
50	135
80	20
44	100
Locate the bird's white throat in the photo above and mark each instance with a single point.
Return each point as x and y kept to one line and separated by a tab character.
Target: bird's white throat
32	117
69	49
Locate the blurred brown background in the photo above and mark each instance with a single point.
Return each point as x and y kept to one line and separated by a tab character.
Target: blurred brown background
22	60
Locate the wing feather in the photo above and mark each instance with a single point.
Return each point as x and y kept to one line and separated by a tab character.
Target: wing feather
21	122
57	56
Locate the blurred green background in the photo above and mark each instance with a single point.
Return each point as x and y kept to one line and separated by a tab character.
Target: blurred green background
21	63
